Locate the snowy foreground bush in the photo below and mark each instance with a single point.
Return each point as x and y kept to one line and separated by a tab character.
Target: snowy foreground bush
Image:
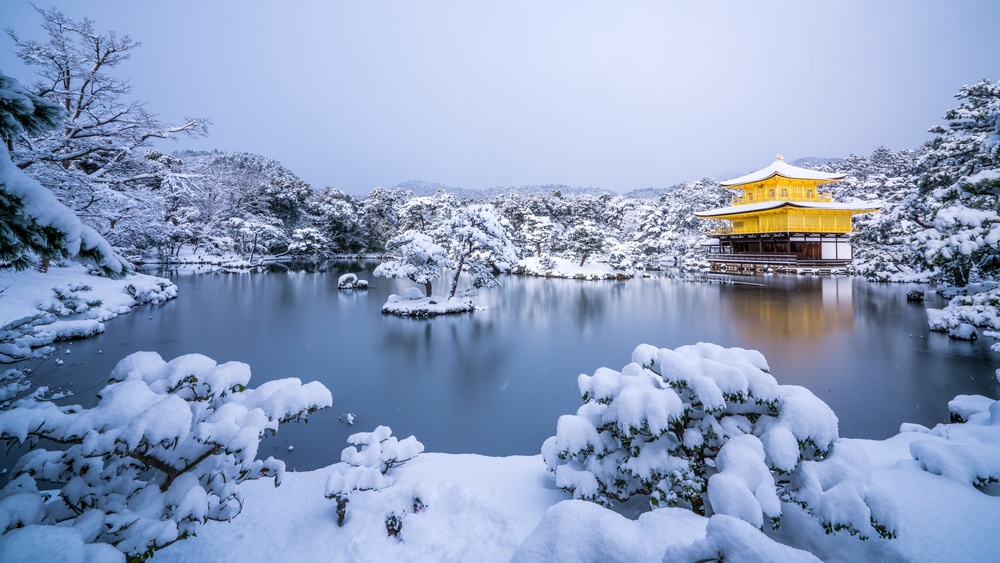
365	465
965	312
164	450
709	429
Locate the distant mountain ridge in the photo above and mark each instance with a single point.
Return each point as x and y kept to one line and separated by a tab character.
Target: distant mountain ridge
811	161
421	188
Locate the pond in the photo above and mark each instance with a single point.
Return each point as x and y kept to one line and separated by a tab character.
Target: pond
494	382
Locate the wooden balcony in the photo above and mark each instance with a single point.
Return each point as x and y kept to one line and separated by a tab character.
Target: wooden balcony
794	228
819	197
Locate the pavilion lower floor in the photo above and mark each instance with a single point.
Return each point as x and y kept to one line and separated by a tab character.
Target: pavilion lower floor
755	252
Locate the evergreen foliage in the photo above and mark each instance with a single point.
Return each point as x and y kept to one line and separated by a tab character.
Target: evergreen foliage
709	429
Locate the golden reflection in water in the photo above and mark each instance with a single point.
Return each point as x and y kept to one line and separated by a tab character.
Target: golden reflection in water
794	312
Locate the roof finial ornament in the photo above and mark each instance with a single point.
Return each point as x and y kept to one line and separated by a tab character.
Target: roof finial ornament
780	157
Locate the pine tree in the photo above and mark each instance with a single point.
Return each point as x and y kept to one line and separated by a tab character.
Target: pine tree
33	223
958	204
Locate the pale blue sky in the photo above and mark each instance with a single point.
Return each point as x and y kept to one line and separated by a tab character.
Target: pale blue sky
612	94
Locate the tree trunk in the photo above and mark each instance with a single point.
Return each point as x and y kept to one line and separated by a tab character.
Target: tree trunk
253	247
538	249
454	280
427	288
584	259
961	276
44	266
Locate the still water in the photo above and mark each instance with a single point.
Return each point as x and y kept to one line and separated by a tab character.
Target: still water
494	382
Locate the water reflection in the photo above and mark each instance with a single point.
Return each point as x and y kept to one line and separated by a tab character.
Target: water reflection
495	381
792	309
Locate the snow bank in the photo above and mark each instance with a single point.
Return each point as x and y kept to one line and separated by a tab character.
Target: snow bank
54	545
413	304
476	509
576	530
551	267
732	539
499	509
966	312
32	302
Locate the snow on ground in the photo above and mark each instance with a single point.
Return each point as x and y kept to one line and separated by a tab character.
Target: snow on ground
979	307
551	267
477	509
495	509
32	302
413	303
939	483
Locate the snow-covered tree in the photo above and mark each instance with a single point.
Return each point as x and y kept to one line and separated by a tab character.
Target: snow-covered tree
24	113
380	217
33	223
337	216
309	242
958	204
426	214
709	429
164	450
478	244
235	202
365	465
536	231
92	162
418	259
586	239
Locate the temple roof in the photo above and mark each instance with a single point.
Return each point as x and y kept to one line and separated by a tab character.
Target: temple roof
769	205
781	168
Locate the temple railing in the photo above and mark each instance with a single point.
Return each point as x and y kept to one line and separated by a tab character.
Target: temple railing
790	229
821	196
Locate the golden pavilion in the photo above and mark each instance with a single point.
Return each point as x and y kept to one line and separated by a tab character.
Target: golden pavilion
780	219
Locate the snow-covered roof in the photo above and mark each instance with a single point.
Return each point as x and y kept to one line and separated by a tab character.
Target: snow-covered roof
769	205
781	168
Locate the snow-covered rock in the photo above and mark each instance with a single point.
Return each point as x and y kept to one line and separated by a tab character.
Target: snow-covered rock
351	281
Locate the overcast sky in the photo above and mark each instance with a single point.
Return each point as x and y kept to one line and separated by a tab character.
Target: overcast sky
612	94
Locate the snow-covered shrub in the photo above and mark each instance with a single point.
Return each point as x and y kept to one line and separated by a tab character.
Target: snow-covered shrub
13	382
965	312
709	429
547	263
966	452
69	300
164	450
394	524
365	464
308	241
18	340
151	290
620	258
